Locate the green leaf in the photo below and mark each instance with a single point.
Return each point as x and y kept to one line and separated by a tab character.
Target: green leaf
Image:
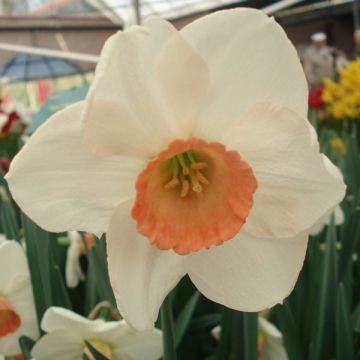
205	321
223	349
312	272
350	243
26	345
59	292
9	223
37	248
323	336
91	298
313	118
96	354
99	271
250	326
183	320
48	285
352	166
237	338
290	331
356	318
344	340
167	326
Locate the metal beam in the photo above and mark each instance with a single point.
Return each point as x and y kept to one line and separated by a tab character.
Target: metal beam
49	52
280	5
21	23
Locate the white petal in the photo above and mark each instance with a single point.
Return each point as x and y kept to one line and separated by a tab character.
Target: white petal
61	186
57	318
129	343
139	345
273	348
12	277
184	79
269	329
319	226
2	238
296	184
125	110
248	273
3	119
250	59
58	345
140	274
216	332
339	216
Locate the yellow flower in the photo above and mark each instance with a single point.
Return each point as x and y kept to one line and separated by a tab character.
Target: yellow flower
339	145
343	97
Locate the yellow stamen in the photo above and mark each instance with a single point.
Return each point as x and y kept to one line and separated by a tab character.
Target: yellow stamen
173	183
190	155
195	182
189	177
199	165
185	169
185	188
202	178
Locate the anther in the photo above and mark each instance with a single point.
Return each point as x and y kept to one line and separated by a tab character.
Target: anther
174	182
185	188
195	182
185	169
202	178
199	165
197	188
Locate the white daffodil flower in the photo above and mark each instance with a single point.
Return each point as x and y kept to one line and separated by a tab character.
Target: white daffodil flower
73	271
320	225
17	310
67	332
193	153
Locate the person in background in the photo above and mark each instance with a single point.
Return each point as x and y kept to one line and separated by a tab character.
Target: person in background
321	61
356	52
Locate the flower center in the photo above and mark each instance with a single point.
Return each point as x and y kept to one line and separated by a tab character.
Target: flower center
9	319
186	173
218	187
101	346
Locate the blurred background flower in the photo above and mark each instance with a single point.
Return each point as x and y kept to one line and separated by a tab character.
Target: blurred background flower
68	332
17	311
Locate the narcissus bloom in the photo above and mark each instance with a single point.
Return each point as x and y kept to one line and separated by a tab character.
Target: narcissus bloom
67	332
17	310
193	152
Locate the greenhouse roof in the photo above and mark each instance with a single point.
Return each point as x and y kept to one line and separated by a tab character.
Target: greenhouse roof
123	11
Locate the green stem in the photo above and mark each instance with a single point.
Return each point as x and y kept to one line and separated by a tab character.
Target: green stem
167	325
